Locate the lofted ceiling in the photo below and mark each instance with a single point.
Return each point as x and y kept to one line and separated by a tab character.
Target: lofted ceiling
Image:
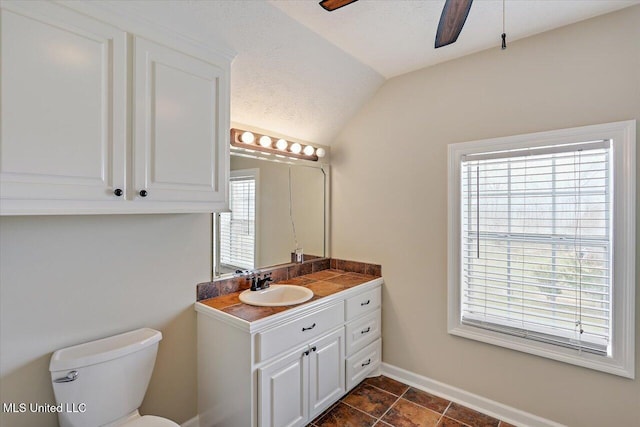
303	72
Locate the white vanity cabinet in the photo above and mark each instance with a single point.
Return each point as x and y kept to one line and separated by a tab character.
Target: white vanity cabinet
297	387
285	369
96	119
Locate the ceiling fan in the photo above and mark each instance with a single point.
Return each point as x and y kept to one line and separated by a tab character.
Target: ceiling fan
454	14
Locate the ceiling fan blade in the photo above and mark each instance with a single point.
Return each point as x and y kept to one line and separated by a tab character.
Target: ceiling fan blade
332	5
454	14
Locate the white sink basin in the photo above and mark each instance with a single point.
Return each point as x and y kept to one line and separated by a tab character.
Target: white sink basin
276	295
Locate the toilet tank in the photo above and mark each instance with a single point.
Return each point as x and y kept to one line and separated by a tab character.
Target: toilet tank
110	380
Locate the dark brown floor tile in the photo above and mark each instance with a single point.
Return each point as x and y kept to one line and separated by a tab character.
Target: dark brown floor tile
427	400
313	422
470	417
407	414
382	424
505	424
387	384
369	399
343	415
448	422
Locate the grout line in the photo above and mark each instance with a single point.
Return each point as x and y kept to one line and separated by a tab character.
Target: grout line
360	410
389	408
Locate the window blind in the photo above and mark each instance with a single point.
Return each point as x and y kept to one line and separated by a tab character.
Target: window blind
238	227
536	244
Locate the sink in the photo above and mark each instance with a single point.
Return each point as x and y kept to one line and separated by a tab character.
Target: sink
277	295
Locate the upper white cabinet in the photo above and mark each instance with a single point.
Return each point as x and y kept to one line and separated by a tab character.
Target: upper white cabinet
180	127
63	108
95	119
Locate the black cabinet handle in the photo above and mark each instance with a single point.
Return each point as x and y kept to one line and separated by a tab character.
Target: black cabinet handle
143	193
364	331
118	192
309	328
366	302
313	348
368	362
305	353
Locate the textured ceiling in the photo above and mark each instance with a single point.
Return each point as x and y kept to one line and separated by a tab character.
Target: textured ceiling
395	37
303	72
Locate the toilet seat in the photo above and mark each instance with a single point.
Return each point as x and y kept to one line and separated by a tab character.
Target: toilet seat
150	421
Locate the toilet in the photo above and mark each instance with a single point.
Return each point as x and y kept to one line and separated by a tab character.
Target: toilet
103	382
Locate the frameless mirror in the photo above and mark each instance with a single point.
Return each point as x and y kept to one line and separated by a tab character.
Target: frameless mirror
276	208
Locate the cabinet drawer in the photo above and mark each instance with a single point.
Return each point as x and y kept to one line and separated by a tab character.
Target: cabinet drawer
362	303
281	338
363	362
362	331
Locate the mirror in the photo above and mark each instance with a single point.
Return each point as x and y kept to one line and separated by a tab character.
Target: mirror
276	207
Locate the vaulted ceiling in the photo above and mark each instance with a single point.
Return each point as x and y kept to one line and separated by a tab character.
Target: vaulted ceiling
304	72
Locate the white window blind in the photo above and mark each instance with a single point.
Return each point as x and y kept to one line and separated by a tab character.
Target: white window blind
238	227
536	244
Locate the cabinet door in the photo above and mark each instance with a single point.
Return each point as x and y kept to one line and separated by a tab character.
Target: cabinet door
326	372
283	391
181	136
63	108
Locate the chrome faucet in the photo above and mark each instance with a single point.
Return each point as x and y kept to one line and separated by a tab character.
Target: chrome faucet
258	283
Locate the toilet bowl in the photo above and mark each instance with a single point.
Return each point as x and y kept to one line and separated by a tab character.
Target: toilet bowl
102	383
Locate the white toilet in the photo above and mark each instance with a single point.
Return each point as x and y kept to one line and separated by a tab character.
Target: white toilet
103	382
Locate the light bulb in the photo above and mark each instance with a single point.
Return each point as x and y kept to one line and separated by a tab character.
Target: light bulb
281	144
265	141
247	137
296	148
320	152
309	150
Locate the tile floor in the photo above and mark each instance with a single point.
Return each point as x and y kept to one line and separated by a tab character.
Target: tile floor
384	402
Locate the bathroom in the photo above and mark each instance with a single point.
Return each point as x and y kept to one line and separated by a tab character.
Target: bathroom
69	279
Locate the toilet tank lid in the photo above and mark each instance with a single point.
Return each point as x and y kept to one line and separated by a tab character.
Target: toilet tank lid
104	349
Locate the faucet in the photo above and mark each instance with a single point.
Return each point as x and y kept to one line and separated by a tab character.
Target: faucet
258	283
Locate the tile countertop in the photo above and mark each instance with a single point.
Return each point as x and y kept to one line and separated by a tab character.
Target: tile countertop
323	283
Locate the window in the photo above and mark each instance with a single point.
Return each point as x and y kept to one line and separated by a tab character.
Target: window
238	227
541	244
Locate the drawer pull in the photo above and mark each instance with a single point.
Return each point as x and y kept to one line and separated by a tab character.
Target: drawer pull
305	353
364	331
313	348
365	303
368	362
308	328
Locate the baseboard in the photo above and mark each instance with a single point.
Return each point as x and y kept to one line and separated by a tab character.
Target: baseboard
193	422
473	401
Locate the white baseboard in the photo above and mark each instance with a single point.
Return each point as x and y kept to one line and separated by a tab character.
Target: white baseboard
193	422
473	401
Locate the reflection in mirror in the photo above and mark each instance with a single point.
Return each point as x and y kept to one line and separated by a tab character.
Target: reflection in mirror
276	208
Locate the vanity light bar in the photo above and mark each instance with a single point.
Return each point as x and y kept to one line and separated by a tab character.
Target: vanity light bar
252	141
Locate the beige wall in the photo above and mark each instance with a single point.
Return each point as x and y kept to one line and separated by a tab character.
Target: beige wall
68	280
389	201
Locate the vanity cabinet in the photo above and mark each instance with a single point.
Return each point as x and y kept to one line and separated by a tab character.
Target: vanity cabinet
300	385
96	119
285	369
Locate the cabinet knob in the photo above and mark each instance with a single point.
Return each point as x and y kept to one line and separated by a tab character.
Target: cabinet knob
143	193
118	192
